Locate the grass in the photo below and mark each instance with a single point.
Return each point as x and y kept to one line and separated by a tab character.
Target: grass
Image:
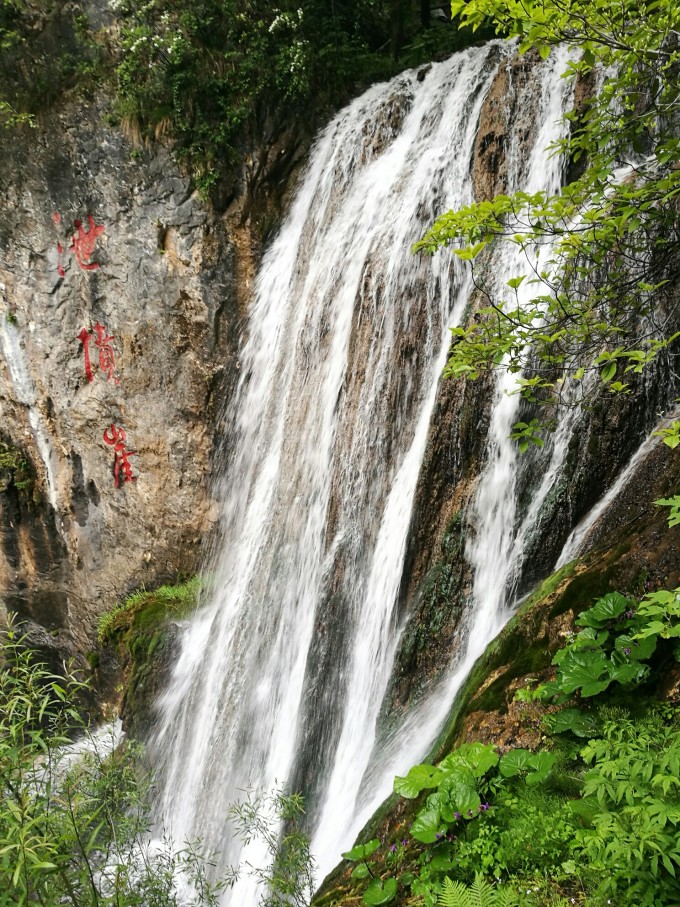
143	608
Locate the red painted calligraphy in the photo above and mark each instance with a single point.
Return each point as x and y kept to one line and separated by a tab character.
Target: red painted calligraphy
83	243
107	359
85	338
116	437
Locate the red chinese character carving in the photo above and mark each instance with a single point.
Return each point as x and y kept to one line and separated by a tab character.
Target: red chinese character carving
116	437
83	243
84	338
107	361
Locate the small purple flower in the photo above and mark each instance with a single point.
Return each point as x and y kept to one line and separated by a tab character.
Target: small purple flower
630	613
626	651
470	813
456	815
393	848
439	834
484	806
404	842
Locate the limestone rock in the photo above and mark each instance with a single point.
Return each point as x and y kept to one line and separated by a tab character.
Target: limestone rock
155	268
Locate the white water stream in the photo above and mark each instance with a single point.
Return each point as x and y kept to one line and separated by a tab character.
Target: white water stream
283	671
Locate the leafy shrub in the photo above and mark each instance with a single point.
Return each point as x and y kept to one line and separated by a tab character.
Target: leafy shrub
631	807
73	830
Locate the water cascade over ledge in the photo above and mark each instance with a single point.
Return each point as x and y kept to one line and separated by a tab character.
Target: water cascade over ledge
283	671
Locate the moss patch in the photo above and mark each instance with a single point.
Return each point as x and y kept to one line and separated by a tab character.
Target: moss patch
136	639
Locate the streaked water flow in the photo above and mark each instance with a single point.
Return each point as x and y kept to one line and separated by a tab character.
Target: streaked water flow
283	671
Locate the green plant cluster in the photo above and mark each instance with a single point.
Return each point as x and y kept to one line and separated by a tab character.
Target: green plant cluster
618	638
592	817
274	818
14	461
47	49
74	826
601	303
226	77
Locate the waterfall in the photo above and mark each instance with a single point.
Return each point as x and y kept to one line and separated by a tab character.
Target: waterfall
283	670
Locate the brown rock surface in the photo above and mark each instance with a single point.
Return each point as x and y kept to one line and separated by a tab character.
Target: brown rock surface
164	288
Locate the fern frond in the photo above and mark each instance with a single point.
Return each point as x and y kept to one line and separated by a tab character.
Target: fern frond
481	893
454	894
506	897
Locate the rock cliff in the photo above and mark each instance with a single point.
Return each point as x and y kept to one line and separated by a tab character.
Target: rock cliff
119	312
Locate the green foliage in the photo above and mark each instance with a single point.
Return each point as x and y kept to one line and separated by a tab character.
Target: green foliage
220	73
618	636
670	436
479	894
674	504
361	851
380	891
287	880
175	601
14	461
603	824
73	827
456	797
634	784
603	302
46	49
534	767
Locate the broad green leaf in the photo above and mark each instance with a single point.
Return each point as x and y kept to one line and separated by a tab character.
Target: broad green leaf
427	826
361	871
580	723
635	649
419	778
380	892
514	762
605	609
361	851
541	766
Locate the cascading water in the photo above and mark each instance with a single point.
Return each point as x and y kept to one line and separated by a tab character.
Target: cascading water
282	673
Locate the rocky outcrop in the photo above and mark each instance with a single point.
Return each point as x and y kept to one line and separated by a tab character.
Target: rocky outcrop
107	254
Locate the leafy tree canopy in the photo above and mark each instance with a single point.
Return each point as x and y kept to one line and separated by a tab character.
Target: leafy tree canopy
602	305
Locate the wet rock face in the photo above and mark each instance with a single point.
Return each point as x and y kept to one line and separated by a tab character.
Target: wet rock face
510	104
105	249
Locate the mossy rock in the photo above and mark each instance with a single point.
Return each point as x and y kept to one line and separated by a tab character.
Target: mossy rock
136	646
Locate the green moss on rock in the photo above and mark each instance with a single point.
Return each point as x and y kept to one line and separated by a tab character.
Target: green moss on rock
137	638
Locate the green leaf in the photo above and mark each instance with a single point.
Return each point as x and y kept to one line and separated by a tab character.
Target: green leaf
635	649
427	826
541	766
361	851
361	871
380	892
441	862
419	778
514	762
578	722
606	609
